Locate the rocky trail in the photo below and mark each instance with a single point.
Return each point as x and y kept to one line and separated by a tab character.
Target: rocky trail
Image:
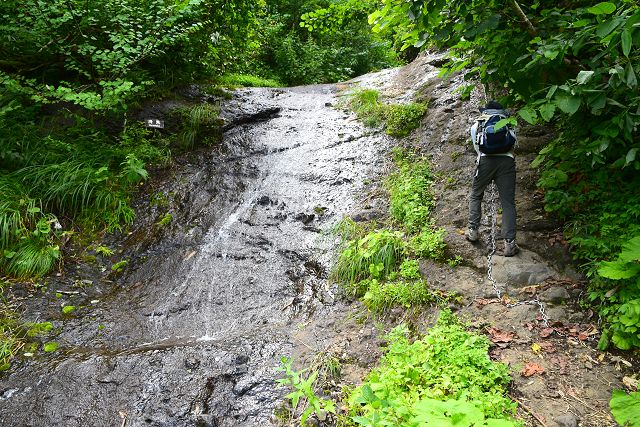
192	329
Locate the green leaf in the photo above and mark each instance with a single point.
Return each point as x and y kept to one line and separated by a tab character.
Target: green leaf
631	156
625	408
568	103
630	76
504	122
528	114
68	309
631	250
51	347
547	111
581	23
626	41
616	271
492	422
604	8
583	77
607	27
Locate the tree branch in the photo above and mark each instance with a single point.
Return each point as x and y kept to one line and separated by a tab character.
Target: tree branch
530	28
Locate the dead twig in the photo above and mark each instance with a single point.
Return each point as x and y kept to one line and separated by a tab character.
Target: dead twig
527	409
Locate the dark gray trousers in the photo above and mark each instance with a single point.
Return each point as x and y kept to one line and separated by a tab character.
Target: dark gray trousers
502	170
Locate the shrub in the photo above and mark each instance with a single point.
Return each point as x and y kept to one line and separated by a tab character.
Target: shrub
411	198
441	373
401	119
375	255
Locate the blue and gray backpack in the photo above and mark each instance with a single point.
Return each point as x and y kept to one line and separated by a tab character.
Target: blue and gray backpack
491	140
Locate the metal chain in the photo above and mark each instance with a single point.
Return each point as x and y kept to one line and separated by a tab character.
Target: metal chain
493	213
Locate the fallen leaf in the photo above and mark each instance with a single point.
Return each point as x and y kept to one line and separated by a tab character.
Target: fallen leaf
618	360
481	302
536	348
532	368
548	347
530	289
631	383
544	333
498	335
601	357
611	292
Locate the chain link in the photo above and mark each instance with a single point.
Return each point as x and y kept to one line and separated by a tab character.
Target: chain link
493	213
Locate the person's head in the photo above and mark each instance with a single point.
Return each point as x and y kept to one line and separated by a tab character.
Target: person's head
492	105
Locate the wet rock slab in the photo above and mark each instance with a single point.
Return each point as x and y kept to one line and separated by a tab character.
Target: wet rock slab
192	330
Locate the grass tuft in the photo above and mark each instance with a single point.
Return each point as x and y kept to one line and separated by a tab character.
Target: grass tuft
246	80
375	255
399	120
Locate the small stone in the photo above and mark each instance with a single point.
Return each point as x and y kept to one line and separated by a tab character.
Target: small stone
264	200
191	363
305	218
242	359
566	420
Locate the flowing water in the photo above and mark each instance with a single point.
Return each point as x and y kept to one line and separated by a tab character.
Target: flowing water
192	332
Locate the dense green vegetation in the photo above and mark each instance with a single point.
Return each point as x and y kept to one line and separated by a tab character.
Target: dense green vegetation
380	264
573	65
443	378
316	41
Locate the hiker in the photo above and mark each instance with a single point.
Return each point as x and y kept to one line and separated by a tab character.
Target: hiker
495	162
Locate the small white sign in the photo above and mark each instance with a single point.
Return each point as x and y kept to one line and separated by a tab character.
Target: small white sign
155	123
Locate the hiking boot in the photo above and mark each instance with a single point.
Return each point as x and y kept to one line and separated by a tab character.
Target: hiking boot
472	234
510	247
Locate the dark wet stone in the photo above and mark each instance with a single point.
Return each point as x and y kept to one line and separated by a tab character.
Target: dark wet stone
242	359
191	363
438	62
206	420
264	201
305	218
342	181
